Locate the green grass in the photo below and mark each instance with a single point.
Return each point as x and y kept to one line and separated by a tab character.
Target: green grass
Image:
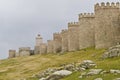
24	67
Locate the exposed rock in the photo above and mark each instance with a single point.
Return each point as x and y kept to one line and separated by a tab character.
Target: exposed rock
117	79
112	52
58	75
54	77
94	72
87	64
70	67
115	71
104	72
80	77
46	73
98	79
42	79
62	73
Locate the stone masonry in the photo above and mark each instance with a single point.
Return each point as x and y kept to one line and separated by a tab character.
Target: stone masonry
50	46
73	35
12	53
86	30
57	45
39	40
107	29
64	35
24	51
43	48
100	29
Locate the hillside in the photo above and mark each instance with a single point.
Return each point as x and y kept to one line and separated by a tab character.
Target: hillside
25	67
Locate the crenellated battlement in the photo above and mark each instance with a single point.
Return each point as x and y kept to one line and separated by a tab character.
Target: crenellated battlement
12	50
86	15
107	5
64	30
99	30
24	49
57	33
73	24
49	41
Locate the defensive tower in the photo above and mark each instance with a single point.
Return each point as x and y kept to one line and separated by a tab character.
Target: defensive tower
24	51
73	36
43	48
50	46
64	35
107	29
57	42
86	30
39	40
12	53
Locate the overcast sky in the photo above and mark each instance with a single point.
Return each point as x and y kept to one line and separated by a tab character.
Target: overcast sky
22	20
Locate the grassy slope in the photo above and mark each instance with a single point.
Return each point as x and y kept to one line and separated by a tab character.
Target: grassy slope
24	67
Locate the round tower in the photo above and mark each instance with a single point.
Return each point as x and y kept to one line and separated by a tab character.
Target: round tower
57	46
86	30
39	40
64	35
107	28
24	51
73	36
50	46
12	53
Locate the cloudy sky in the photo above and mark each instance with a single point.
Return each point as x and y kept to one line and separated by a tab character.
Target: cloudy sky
22	20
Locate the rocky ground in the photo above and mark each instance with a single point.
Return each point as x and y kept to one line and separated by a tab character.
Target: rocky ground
87	64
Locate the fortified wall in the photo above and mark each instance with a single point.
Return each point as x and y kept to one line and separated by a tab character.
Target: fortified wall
50	44
24	51
100	29
86	30
57	45
73	36
107	29
64	35
43	48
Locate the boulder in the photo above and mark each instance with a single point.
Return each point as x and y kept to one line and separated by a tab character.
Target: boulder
94	72
87	64
98	79
117	79
70	67
42	79
59	74
112	52
54	77
62	72
115	71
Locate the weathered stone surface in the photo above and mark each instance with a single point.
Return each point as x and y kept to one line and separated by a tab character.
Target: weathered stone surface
94	72
57	46
62	73
24	51
112	52
115	71
50	46
64	35
87	64
73	36
12	53
70	67
43	48
117	79
42	79
54	77
98	79
107	26
86	30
